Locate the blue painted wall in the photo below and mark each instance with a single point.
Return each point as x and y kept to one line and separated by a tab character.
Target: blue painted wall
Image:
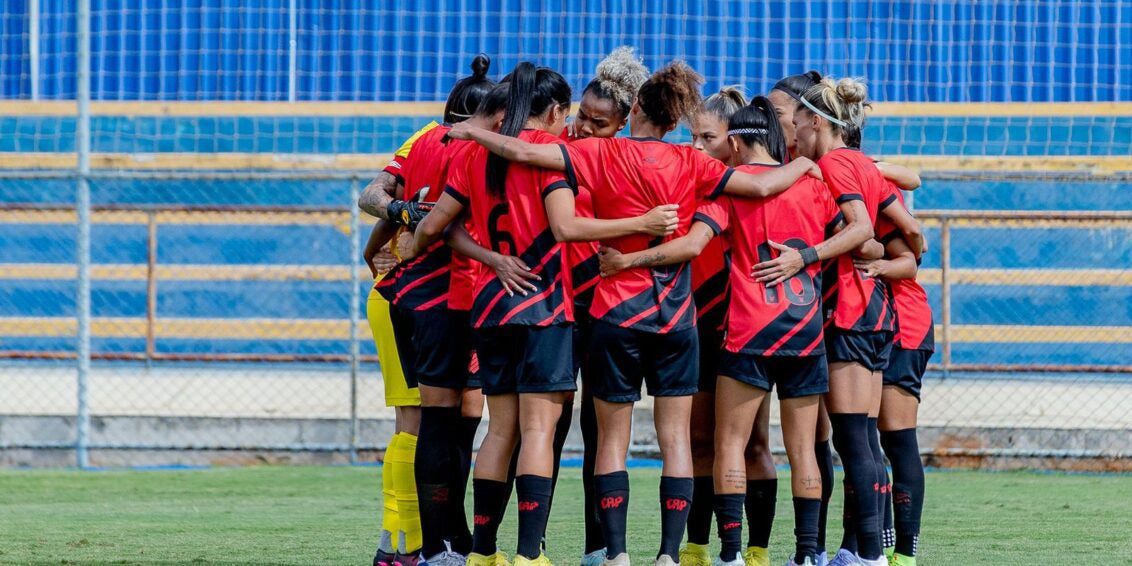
1018	51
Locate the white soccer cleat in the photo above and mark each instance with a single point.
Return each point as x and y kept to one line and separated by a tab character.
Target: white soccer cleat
737	561
807	562
666	560
595	558
882	561
619	560
823	559
844	558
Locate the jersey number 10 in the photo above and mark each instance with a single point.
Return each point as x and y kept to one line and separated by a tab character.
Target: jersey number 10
808	293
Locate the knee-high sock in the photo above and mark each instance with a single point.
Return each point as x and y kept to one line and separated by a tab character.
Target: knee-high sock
534	494
806	513
907	487
699	519
490	501
390	522
851	438
613	508
884	502
675	503
762	496
594	538
729	524
458	533
825	467
437	454
405	485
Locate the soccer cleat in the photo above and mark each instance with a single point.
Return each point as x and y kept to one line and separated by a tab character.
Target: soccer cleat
382	558
844	558
446	558
901	560
695	555
542	560
881	561
405	559
756	556
738	561
497	559
888	552
665	560
806	562
823	559
619	560
594	558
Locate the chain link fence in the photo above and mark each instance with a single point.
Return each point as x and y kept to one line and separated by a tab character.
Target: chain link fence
227	332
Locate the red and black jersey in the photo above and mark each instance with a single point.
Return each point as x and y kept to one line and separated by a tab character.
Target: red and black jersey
585	267
785	320
423	282
711	284
515	226
629	177
461	289
914	327
854	301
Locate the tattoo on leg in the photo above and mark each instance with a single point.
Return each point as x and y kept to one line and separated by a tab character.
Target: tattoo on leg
811	482
735	478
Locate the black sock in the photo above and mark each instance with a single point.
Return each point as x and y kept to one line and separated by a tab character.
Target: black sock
884	504
435	458
458	534
533	493
613	508
729	524
594	538
825	467
806	513
675	504
489	497
699	519
762	496
903	451
849	517
851	438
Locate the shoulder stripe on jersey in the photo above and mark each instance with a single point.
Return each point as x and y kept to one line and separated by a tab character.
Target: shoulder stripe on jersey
448	190
571	178
560	184
848	197
722	184
891	199
700	217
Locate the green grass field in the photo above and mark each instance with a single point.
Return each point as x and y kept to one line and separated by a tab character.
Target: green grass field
329	515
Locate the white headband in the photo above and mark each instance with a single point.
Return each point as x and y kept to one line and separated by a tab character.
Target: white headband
743	131
822	114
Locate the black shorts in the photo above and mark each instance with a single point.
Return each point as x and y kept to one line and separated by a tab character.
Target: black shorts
906	369
711	348
870	349
795	376
435	347
622	358
583	327
526	359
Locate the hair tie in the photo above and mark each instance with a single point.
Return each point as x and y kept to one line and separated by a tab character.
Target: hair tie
460	115
820	113
745	131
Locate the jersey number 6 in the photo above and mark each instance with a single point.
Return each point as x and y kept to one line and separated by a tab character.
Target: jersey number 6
500	235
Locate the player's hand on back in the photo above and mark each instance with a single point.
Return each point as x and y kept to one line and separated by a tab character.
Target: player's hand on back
406	248
661	221
461	131
384	260
515	276
779	269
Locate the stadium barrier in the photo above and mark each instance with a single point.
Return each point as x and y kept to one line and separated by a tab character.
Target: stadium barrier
222	332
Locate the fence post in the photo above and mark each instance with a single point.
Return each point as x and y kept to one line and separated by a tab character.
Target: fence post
292	50
355	299
945	290
82	205
151	289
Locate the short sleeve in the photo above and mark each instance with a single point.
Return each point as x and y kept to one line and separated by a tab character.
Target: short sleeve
833	215
714	213
403	159
890	195
584	162
838	175
710	174
551	181
456	182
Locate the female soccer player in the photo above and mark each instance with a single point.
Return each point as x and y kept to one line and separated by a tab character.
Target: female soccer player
710	291
774	327
860	332
602	113
524	341
434	342
912	348
644	319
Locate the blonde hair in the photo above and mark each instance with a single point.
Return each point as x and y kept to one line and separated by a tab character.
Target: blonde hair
618	77
843	100
724	103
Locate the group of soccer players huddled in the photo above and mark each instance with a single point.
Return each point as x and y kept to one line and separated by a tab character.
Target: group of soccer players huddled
519	253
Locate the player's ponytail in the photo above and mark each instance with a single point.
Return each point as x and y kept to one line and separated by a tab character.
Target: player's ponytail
841	103
531	91
468	91
724	103
671	94
758	124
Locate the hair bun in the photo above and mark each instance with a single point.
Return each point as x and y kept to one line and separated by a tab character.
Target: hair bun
814	76
851	91
480	65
